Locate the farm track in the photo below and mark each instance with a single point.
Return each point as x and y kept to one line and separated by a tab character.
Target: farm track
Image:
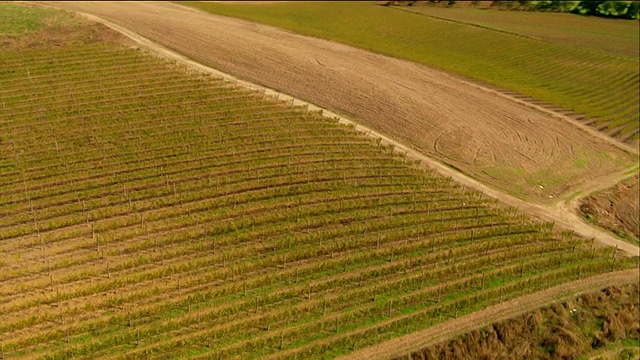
552	212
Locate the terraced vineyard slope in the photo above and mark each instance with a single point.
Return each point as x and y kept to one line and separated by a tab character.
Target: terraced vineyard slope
150	212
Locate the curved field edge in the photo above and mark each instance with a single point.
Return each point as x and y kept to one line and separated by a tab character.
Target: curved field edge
572	171
564	217
558	74
202	210
403	347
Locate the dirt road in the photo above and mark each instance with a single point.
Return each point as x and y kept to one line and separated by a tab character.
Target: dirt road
510	145
559	213
419	340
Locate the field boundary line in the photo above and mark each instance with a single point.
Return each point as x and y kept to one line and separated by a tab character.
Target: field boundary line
460	22
551	213
405	345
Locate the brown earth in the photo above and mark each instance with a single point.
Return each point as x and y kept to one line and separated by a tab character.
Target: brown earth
616	209
405	345
512	145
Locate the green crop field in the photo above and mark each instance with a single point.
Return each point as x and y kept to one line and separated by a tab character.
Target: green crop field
614	36
149	211
15	19
589	70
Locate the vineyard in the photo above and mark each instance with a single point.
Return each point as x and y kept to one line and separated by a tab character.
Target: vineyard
148	211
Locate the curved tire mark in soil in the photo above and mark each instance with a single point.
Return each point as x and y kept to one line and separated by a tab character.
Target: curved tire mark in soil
475	155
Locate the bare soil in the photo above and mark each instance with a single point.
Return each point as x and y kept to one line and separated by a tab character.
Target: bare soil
512	145
616	209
